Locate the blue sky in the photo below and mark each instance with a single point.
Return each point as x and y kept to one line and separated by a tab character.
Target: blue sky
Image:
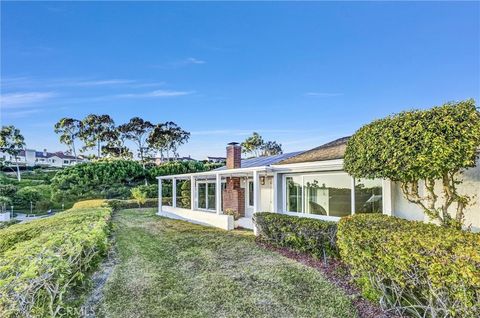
299	73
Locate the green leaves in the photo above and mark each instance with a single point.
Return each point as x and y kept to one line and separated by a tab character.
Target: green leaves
42	260
420	145
306	235
420	269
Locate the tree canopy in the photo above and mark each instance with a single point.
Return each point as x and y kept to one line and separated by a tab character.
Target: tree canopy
420	148
256	146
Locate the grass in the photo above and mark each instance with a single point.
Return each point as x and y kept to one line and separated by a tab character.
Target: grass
170	268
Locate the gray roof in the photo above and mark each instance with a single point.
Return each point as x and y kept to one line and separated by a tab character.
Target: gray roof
264	161
329	151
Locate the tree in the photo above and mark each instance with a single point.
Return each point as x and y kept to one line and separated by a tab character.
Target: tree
253	145
12	142
69	130
271	148
96	131
139	195
421	149
166	138
137	130
256	146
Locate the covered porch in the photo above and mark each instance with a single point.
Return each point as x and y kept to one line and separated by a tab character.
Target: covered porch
212	197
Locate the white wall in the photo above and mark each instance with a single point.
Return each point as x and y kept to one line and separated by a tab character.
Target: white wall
470	186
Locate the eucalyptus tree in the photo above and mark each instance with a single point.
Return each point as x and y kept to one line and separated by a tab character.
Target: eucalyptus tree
271	148
137	130
96	131
425	151
12	142
253	144
256	146
167	137
69	130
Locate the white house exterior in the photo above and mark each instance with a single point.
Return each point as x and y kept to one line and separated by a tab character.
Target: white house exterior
304	184
31	158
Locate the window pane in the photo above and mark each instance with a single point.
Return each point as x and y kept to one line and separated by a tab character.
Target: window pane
328	194
294	194
183	194
368	196
211	196
250	193
201	195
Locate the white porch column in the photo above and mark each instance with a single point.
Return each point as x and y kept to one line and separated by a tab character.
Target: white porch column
160	196
256	193
387	197
192	193
174	192
275	192
218	193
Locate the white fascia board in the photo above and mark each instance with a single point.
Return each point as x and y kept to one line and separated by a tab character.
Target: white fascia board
326	165
219	172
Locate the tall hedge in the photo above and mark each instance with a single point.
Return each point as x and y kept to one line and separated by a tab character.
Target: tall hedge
312	236
419	269
424	150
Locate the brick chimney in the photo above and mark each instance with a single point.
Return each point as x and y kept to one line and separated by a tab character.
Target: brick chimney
234	155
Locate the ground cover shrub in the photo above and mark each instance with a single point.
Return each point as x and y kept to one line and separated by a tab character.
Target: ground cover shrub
132	204
312	236
6	224
43	261
418	269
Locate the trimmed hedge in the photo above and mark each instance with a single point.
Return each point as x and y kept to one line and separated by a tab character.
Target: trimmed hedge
418	269
43	261
313	236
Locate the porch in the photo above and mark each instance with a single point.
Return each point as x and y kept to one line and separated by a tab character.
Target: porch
210	198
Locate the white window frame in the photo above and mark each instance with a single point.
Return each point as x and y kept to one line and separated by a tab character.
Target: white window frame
207	182
248	192
308	174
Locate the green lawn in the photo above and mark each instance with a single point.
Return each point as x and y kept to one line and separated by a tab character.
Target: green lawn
169	268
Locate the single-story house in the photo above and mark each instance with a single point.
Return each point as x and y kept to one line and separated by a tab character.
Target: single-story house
305	184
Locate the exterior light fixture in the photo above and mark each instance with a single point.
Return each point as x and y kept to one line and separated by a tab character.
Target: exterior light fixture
262	180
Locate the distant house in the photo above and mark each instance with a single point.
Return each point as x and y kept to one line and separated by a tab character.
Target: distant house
217	159
309	184
160	160
31	158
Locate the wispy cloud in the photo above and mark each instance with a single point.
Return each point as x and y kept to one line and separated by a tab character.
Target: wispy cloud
156	93
181	63
100	82
245	132
22	100
322	94
21	113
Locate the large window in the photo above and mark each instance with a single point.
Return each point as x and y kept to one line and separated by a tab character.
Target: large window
331	194
368	196
202	195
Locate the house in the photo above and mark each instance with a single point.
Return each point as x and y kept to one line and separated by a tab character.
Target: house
305	184
31	158
216	159
160	160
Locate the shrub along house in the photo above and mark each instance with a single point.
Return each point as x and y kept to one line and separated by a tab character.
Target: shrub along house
305	184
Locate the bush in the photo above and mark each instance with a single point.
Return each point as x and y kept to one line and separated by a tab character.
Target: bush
43	261
139	196
419	269
131	204
151	190
312	236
